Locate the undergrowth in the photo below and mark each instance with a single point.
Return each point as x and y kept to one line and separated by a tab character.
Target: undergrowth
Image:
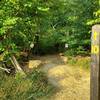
82	62
32	87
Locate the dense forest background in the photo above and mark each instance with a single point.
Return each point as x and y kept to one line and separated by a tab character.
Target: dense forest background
44	27
47	24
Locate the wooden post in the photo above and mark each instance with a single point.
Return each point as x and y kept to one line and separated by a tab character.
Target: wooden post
95	63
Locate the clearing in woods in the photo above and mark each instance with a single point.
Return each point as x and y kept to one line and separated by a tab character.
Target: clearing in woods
73	83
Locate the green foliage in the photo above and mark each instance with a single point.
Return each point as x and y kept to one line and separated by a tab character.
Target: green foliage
47	43
96	13
34	86
20	21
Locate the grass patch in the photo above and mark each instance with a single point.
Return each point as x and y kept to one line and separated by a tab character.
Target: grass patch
83	62
32	87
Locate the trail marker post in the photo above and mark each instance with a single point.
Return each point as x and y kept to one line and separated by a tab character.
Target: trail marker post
95	63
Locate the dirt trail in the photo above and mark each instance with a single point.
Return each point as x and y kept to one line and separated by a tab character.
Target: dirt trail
73	82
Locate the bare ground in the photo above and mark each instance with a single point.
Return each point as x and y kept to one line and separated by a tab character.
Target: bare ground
73	83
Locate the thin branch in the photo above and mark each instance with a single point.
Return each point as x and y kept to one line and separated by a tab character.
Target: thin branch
5	69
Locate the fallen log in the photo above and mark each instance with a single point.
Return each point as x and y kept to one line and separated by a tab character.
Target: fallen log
16	65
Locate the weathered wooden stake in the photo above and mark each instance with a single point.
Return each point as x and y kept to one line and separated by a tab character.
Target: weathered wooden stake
95	65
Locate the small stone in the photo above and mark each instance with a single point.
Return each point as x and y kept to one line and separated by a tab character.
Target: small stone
34	63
